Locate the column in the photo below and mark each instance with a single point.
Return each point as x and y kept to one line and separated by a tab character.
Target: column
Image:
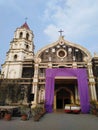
35	85
91	82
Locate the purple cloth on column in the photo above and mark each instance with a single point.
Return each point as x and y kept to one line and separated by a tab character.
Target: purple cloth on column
81	75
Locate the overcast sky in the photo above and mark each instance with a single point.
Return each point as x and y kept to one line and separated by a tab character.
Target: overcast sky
77	18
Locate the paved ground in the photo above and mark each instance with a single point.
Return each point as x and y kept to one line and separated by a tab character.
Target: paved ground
53	121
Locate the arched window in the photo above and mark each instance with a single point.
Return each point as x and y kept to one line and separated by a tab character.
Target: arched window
21	35
27	36
27	46
15	56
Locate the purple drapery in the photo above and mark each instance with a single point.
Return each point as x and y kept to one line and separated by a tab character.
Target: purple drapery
81	75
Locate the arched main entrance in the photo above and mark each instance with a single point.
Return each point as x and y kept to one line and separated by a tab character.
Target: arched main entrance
81	75
63	96
65	92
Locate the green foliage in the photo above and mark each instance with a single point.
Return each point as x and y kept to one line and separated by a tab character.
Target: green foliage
9	93
36	110
24	109
93	102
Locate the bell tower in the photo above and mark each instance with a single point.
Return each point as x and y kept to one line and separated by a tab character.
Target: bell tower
21	49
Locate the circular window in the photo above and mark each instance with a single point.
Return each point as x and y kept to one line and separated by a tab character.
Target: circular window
61	53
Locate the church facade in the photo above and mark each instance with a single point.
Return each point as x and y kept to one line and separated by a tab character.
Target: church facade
62	72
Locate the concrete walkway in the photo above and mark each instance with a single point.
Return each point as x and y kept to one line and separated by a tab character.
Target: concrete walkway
53	121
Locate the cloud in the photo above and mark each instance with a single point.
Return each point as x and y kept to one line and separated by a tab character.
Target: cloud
78	19
51	31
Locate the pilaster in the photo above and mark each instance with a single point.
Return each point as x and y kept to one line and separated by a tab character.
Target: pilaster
35	84
91	82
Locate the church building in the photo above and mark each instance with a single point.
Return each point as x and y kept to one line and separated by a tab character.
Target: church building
58	74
